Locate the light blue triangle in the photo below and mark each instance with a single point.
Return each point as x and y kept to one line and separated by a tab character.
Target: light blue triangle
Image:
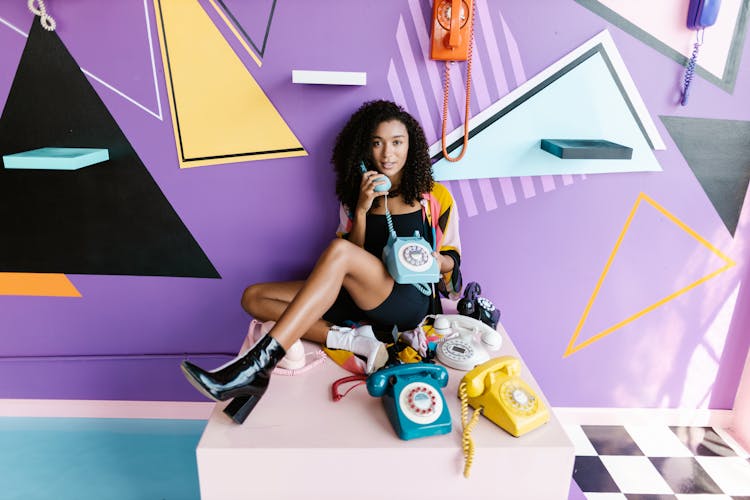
582	102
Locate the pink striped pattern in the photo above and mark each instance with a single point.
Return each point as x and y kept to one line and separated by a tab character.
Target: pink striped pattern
419	89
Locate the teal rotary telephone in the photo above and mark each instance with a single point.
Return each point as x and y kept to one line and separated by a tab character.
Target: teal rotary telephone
412	398
408	258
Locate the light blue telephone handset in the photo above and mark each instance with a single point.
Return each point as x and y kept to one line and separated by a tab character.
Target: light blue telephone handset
412	398
408	259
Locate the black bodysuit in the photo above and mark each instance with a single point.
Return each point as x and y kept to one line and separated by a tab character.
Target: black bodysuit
406	306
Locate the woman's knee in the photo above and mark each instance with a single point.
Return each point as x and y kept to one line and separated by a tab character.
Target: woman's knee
339	249
251	296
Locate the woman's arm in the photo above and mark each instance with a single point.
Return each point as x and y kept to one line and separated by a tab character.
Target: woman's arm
449	244
445	262
367	194
357	233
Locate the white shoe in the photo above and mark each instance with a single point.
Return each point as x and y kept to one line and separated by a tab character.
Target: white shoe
361	341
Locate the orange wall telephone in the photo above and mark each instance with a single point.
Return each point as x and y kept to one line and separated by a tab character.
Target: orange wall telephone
496	389
452	37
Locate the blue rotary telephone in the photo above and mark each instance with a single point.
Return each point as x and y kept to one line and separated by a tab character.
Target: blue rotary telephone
412	398
408	259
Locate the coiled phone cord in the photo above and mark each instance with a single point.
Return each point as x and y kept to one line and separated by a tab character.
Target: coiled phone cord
45	19
690	69
468	98
468	425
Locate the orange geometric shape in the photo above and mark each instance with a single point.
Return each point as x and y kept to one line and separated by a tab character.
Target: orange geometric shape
728	263
37	284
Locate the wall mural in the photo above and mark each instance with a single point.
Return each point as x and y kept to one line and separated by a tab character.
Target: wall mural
109	218
618	291
718	153
249	22
585	84
219	111
661	25
668	275
416	83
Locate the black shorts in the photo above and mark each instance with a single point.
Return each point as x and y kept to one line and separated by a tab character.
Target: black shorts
405	307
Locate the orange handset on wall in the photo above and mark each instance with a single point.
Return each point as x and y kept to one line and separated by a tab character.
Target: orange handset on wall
451	34
452	37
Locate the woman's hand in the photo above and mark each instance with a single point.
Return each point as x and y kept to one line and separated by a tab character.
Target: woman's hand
445	263
367	193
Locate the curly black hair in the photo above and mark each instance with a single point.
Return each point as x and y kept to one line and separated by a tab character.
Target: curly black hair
353	145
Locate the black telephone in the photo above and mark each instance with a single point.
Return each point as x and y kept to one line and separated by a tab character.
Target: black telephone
478	307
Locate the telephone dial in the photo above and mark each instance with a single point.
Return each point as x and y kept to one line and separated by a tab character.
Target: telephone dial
478	307
461	350
412	398
408	259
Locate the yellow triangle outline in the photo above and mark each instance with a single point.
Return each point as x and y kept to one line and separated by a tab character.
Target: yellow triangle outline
572	348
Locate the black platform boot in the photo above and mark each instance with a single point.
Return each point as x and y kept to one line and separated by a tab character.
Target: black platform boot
246	378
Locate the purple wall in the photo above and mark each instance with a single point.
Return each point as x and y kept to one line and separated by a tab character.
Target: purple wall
538	258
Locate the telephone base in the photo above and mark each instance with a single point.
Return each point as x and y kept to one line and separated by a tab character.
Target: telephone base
407	431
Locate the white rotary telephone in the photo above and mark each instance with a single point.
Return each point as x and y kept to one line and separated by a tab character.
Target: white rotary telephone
466	341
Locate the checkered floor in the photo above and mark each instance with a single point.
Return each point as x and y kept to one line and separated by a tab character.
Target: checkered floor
653	462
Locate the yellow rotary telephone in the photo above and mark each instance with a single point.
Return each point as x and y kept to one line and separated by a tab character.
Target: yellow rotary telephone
495	389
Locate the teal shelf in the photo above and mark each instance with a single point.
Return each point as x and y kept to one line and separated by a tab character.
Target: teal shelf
56	158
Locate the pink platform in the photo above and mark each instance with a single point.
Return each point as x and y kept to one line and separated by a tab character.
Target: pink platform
299	444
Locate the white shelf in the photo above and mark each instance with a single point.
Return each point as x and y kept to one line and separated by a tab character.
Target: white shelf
329	77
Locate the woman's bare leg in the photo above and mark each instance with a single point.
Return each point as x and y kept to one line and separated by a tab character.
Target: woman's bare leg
342	264
268	301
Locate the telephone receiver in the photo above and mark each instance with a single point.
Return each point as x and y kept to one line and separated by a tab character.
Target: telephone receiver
451	30
504	397
380	187
412	398
702	13
378	382
465	325
460	348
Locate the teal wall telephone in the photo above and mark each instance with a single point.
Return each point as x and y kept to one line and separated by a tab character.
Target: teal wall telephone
412	398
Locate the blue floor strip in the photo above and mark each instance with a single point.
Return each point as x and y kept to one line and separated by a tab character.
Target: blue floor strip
92	459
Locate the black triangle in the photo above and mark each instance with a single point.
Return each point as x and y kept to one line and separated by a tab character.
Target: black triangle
109	218
718	152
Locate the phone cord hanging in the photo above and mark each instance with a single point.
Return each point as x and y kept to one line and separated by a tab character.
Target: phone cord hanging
446	88
468	425
45	19
690	69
